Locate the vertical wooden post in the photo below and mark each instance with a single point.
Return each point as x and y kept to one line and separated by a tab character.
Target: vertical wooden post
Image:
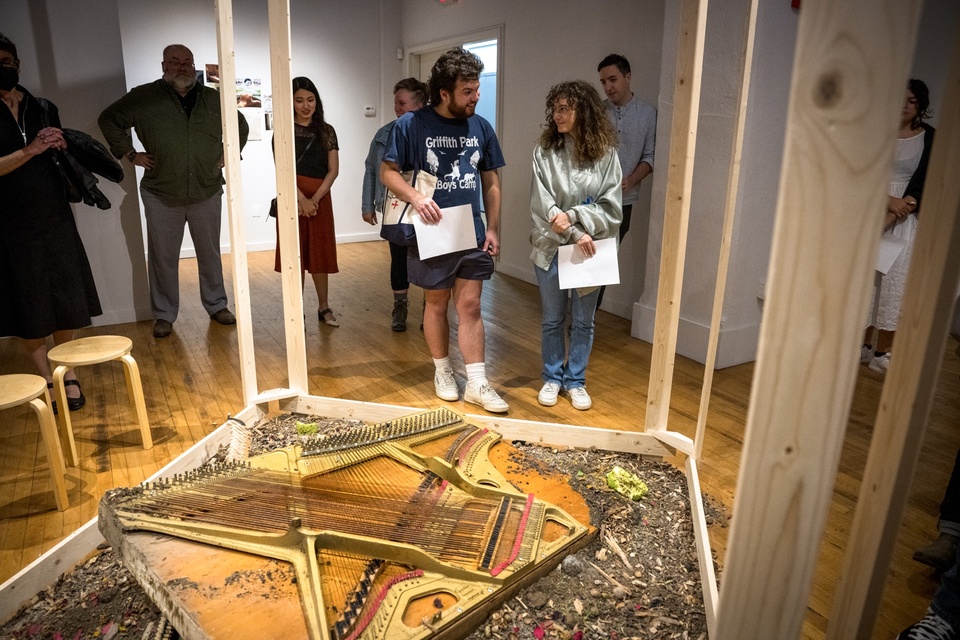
683	142
911	381
284	154
729	215
848	83
234	197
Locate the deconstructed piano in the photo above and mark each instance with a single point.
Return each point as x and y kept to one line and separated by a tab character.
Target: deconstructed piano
406	529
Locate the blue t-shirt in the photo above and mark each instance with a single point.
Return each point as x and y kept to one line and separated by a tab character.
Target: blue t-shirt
454	150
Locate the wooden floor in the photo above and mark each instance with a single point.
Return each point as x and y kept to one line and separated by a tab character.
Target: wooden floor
191	383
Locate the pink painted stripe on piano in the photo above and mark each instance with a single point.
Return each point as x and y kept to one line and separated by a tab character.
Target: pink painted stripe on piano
469	445
372	610
516	543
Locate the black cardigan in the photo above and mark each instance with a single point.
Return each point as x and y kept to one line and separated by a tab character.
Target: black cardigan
915	186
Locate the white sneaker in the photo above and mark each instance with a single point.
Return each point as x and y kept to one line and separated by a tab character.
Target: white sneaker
548	394
486	397
446	385
580	398
880	363
866	354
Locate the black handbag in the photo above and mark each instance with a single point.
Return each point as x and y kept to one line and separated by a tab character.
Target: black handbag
273	203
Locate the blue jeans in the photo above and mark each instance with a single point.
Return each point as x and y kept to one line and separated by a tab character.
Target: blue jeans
553	305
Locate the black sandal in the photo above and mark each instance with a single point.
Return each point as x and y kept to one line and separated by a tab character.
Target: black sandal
53	403
74	404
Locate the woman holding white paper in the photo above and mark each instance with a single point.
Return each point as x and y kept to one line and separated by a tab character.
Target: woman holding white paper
575	198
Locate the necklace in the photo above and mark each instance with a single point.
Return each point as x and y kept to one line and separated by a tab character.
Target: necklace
21	120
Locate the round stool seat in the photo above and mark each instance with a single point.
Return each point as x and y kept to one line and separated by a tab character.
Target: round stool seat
25	388
89	350
18	388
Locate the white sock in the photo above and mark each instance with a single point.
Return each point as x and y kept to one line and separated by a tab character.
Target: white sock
442	364
476	375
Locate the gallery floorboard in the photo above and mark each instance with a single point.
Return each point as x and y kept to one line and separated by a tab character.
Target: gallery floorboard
191	383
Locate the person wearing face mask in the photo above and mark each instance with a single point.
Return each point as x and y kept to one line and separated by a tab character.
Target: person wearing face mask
177	120
46	285
408	95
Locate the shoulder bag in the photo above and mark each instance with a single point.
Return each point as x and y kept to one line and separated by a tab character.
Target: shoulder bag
397	227
273	203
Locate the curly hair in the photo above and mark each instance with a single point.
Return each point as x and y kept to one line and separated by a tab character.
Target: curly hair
456	64
593	134
417	89
318	125
920	91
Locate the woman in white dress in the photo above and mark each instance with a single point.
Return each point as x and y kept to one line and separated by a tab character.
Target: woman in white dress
914	140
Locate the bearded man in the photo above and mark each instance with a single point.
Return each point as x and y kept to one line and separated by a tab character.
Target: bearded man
177	121
462	149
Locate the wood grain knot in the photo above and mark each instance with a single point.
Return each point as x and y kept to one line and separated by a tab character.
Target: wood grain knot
828	91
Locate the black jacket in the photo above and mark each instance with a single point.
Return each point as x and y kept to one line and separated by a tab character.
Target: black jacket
83	157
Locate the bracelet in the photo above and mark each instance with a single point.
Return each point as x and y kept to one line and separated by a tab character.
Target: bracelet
132	156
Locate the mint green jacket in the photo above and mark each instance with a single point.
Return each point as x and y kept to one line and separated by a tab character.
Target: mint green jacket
591	196
186	151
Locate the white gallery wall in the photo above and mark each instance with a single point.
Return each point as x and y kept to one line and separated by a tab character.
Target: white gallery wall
84	55
338	45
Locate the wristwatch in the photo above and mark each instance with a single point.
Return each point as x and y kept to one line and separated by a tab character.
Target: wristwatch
132	156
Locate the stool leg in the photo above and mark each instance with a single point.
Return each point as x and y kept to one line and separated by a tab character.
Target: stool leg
54	458
135	390
66	428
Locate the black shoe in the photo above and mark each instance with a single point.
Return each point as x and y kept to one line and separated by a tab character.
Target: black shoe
224	316
75	404
162	328
399	315
939	554
53	403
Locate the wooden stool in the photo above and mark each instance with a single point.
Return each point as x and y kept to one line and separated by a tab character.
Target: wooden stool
94	350
18	388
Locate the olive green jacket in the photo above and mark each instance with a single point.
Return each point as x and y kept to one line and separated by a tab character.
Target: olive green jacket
186	151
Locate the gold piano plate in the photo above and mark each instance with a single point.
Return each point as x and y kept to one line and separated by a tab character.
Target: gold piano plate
413	528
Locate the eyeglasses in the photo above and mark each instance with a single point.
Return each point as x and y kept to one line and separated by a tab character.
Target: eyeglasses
561	110
181	65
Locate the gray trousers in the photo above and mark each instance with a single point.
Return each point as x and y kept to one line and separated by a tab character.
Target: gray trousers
165	220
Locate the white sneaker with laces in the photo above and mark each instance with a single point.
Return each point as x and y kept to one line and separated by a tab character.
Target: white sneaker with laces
880	363
548	394
866	354
446	385
580	398
486	397
930	627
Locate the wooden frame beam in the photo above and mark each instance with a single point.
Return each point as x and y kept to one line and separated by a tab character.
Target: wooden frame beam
683	143
851	63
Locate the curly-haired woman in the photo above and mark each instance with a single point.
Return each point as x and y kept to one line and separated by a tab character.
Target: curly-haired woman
575	198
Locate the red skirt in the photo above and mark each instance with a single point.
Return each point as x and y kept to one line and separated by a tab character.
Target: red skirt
318	239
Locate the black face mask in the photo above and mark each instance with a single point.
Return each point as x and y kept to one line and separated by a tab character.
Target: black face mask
9	78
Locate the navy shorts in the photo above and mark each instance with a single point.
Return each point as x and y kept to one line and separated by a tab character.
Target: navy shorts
441	272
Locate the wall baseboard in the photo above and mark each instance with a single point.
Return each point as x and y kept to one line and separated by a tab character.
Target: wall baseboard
736	346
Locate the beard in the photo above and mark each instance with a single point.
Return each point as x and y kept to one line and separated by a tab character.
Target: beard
180	83
462	112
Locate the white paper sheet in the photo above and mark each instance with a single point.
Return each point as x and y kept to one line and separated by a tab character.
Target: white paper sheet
887	254
577	270
453	233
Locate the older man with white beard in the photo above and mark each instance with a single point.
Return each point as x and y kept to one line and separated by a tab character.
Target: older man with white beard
178	122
